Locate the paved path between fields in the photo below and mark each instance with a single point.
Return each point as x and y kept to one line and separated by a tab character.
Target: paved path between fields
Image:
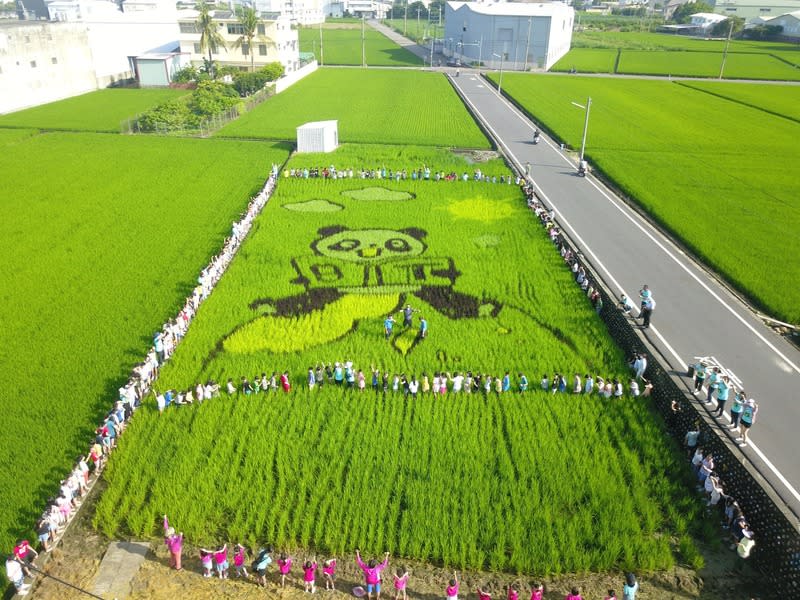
695	315
119	566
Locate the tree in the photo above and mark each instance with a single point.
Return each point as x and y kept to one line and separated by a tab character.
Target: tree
210	37
248	20
721	29
683	14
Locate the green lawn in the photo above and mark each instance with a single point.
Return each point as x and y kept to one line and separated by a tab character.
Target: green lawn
420	31
535	483
778	99
103	238
717	173
374	106
342	46
102	110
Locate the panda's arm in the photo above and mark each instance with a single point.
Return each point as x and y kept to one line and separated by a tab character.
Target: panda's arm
313	299
456	305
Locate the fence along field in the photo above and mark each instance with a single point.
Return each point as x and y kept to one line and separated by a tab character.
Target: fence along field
374	106
341	43
715	172
96	256
102	110
537	483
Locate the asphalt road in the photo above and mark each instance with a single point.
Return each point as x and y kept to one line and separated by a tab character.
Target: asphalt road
695	315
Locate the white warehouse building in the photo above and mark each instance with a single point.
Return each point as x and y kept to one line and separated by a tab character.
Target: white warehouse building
520	35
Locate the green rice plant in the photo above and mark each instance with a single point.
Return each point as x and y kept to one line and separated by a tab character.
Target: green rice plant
783	100
705	64
588	60
535	482
673	150
103	110
358	99
342	46
95	258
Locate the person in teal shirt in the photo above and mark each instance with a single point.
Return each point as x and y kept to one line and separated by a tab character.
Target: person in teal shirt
723	389
630	588
506	382
523	383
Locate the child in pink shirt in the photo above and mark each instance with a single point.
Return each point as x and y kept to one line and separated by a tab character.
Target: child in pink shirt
284	566
329	572
238	561
372	574
537	593
400	582
221	561
484	595
612	595
309	576
575	594
452	590
512	593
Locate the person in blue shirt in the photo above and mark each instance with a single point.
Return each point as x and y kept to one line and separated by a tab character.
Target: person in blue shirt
338	374
423	328
506	382
523	383
630	588
388	326
723	389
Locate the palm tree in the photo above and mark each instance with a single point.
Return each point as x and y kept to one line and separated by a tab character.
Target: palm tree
249	21
210	37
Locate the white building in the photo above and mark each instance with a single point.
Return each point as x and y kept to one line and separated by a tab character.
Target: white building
318	136
275	41
299	12
516	35
42	62
790	23
705	21
748	9
115	35
372	9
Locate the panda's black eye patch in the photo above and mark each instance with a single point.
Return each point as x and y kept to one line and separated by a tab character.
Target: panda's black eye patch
397	245
344	245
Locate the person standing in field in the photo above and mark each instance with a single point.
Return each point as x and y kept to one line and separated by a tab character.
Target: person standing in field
260	564
408	316
207	562
372	574
284	567
423	328
329	573
483	595
285	383
309	576
400	582
452	589
388	326
523	382
575	593
174	543
221	561
513	594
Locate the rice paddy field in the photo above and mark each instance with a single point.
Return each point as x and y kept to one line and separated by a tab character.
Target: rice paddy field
341	43
104	238
101	111
642	53
373	106
526	482
780	100
712	170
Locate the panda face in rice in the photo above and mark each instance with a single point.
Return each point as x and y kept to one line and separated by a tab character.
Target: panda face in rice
369	245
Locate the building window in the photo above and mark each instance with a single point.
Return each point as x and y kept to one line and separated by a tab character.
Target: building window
33	64
262	49
763	10
235	29
197	48
261	29
245	50
54	60
188	28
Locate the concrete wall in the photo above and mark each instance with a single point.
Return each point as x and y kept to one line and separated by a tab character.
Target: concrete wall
43	62
290	79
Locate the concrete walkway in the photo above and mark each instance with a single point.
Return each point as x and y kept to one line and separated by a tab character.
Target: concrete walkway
119	566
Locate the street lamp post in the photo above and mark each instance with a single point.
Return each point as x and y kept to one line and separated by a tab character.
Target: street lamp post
527	44
500	82
585	123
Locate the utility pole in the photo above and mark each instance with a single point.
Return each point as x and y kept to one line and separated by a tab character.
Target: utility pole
321	54
418	9
405	19
528	44
725	52
433	39
585	123
363	50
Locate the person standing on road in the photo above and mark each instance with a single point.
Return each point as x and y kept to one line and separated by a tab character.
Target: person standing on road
713	383
736	408
748	418
648	306
722	395
645	294
699	377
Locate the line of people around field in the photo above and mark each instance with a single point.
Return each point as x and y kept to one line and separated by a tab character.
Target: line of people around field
61	507
218	561
423	173
712	486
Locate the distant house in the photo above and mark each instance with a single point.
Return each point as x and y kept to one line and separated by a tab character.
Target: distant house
790	23
514	35
749	9
156	69
275	41
705	21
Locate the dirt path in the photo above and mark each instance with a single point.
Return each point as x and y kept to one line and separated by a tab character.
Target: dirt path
77	559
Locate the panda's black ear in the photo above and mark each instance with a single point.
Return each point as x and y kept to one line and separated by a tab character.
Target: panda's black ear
330	230
415	232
